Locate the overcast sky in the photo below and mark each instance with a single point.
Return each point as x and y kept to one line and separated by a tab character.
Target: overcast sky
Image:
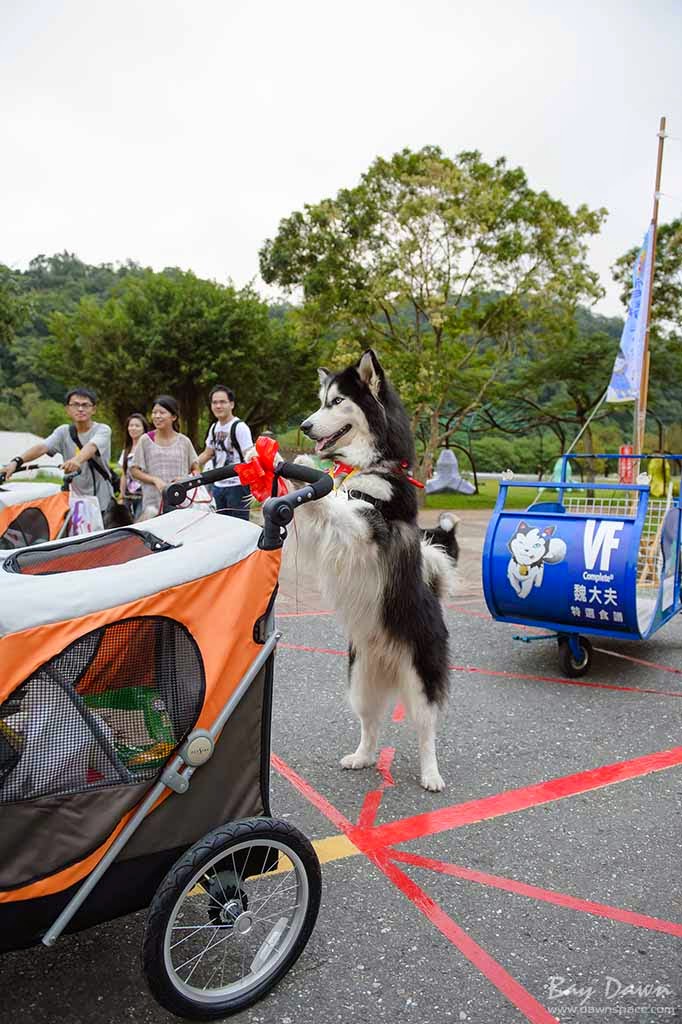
179	133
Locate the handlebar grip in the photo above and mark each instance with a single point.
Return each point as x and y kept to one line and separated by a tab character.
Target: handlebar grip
322	482
67	478
278	512
211	475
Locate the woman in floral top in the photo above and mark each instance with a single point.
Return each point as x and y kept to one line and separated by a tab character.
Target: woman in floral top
169	456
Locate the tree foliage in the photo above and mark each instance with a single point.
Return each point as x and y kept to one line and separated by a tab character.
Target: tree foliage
443	265
13	314
666	306
51	284
173	332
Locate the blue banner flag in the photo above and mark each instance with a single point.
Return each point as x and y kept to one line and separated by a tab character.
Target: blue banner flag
627	369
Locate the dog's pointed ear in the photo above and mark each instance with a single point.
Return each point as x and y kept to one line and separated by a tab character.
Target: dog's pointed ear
370	371
522	527
322	373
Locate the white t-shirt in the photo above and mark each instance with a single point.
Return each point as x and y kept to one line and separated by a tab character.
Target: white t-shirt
219	439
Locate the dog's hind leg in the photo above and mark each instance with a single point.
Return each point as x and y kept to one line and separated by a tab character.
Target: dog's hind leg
424	715
368	698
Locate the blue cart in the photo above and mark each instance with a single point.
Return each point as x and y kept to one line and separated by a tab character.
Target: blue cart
603	559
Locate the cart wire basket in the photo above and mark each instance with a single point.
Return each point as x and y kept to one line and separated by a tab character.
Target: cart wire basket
135	710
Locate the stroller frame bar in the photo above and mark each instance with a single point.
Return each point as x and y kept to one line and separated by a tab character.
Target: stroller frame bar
176	777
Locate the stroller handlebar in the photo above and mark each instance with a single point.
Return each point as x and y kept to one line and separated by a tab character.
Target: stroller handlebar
175	493
68	477
277	512
22	468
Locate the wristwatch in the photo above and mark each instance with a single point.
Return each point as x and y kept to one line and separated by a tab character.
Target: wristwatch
18	459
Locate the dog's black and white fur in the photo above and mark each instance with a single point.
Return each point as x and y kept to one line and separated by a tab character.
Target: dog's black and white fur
381	576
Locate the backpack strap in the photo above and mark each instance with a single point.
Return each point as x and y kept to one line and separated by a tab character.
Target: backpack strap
219	445
234	443
93	462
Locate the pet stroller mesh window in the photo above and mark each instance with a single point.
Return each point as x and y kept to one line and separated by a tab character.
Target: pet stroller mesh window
108	710
30	527
111	548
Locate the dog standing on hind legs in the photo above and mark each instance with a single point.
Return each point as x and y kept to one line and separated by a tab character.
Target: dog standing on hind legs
385	581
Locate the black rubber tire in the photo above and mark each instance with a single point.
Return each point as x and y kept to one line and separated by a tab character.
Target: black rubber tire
170	892
569	666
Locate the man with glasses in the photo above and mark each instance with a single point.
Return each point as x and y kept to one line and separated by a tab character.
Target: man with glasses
228	440
92	450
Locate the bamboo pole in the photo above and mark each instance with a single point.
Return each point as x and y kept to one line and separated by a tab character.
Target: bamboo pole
644	381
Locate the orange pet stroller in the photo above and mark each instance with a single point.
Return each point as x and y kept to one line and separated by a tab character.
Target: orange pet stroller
31	513
134	749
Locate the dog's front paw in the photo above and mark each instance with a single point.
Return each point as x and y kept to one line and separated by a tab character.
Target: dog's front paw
296	485
431	780
305	460
358	760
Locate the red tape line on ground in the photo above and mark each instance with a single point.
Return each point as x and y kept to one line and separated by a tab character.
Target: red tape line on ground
513	800
494	972
655	924
380	855
504	674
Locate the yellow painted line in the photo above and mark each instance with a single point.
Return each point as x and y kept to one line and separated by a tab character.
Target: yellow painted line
334	848
329	849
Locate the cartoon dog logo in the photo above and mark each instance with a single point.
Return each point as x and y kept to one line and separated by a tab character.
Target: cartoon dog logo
532	547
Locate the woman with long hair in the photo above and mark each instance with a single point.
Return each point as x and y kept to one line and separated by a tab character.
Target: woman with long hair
169	456
131	489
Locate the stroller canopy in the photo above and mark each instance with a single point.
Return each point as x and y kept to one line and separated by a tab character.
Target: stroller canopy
20	493
54	582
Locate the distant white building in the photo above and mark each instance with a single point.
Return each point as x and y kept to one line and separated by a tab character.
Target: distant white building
14	442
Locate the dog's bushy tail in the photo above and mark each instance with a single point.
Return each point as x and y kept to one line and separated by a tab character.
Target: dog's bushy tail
445	535
440	551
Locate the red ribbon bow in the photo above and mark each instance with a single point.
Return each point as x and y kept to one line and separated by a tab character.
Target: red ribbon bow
259	473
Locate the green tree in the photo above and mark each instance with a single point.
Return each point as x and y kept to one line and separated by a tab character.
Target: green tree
441	264
666	306
571	366
24	408
13	314
176	333
53	284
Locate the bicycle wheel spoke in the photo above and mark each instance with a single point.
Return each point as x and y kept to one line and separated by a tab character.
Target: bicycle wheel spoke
201	928
274	895
217	877
198	956
276	891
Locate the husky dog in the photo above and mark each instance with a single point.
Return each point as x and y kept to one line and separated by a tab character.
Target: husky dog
532	547
382	578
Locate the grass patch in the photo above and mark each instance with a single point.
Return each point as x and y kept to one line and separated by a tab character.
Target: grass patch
517	497
39	478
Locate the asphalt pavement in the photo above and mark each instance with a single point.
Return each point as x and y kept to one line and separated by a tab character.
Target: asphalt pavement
543	884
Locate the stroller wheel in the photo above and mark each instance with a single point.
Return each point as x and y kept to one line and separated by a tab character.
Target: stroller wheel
230	918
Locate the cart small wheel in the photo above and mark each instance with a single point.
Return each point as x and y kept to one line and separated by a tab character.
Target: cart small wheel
230	918
570	665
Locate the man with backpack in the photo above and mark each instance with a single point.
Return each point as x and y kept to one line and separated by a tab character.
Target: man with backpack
85	446
228	440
